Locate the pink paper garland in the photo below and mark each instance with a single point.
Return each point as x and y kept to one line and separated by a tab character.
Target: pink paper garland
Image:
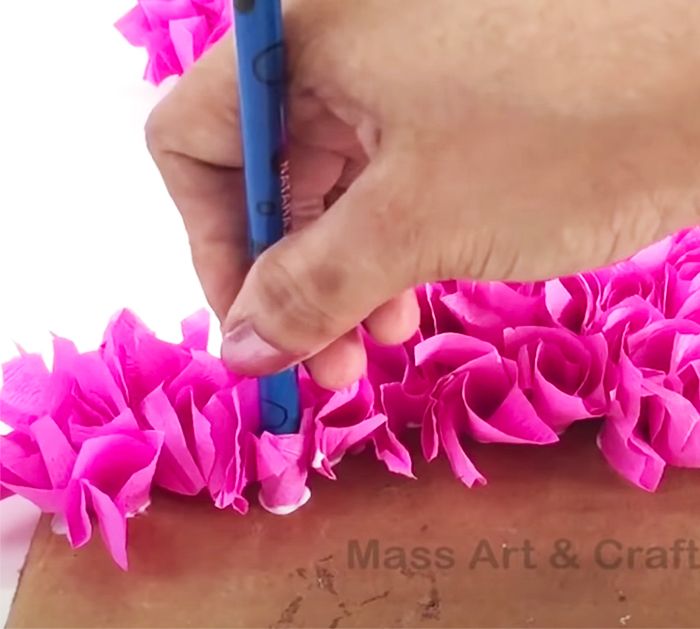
493	363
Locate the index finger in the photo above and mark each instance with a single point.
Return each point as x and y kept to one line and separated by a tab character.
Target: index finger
194	138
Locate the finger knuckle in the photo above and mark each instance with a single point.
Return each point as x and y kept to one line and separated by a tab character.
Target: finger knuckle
155	132
291	294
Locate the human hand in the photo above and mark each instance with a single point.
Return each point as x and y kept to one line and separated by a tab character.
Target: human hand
489	139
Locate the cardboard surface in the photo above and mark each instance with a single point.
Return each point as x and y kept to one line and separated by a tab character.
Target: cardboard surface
442	555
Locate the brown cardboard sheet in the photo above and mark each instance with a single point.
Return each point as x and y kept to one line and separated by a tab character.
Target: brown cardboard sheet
555	540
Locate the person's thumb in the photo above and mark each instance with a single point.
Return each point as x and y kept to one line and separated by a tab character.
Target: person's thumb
315	285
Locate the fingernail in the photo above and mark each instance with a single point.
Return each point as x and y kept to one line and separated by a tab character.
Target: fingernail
246	352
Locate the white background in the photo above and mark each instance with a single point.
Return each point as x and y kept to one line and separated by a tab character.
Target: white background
86	226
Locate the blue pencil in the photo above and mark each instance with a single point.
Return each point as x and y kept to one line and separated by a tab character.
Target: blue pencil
261	77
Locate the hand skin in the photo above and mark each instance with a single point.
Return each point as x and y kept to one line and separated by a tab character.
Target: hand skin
488	139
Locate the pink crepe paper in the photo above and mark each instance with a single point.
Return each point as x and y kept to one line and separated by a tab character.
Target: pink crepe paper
573	301
476	393
111	480
27	390
346	422
561	373
622	438
400	388
493	363
233	419
485	310
37	464
175	33
282	467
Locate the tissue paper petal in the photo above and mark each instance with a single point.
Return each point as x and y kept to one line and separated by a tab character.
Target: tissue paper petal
400	388
195	331
573	302
438	357
177	470
284	494
689	377
175	33
232	415
627	280
84	499
282	469
111	480
121	465
204	375
620	439
386	363
57	453
673	425
561	372
189	38
391	451
626	318
133	26
332	442
403	408
436	317
343	422
206	451
111	522
497	410
485	309
78	523
653	347
631	457
24	471
97	386
79	433
138	358
25	392
445	426
444	353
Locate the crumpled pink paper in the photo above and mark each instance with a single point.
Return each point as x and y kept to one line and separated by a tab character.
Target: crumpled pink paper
347	422
37	464
560	373
282	465
476	393
110	481
491	363
175	33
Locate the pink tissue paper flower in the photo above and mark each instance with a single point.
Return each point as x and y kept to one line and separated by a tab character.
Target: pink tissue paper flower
476	393
560	372
175	33
491	363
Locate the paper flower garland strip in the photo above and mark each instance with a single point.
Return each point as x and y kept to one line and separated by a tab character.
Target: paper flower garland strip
175	33
492	363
